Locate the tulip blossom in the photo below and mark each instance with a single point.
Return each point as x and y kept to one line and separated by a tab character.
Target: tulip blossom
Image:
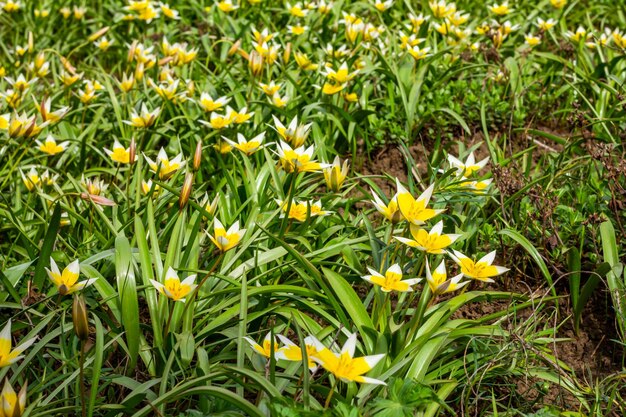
173	287
438	281
67	281
392	280
482	270
226	239
415	210
432	242
9	356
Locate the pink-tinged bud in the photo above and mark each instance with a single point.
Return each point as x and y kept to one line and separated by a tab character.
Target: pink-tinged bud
131	50
255	63
132	151
235	48
98	199
79	318
287	53
98	34
197	156
186	191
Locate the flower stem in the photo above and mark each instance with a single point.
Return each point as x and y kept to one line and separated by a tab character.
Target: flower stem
330	394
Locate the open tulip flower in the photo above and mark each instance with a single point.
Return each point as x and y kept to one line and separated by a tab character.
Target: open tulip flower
345	366
392	280
11	403
415	210
432	242
50	146
438	281
164	166
469	167
299	159
119	154
295	134
173	287
482	270
145	118
335	174
299	210
391	211
266	348
9	356
292	352
247	146
226	240
67	281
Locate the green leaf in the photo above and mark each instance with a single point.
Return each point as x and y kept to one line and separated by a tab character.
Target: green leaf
129	305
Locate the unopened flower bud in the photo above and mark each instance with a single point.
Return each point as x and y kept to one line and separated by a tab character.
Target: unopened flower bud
98	34
287	53
186	191
255	63
132	151
235	48
79	318
197	156
12	404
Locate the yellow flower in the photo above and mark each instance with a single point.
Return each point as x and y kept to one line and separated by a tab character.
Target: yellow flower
172	286
119	153
266	348
545	25
11	6
299	159
94	186
345	366
169	12
226	239
477	185
391	211
146	186
12	404
79	12
579	35
226	6
241	116
331	89
279	101
297	29
247	146
32	180
432	242
558	4
438	282
304	62
532	40
263	36
145	118
210	206
219	121
271	88
51	116
127	83
164	166
500	9
223	147
469	167
66	12
292	352
482	269
103	44
296	134
297	10
415	210
351	97
418	53
300	210
50	146
392	280
342	75
67	282
441	9
458	18
335	174
417	21
69	79
381	6
209	104
8	356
